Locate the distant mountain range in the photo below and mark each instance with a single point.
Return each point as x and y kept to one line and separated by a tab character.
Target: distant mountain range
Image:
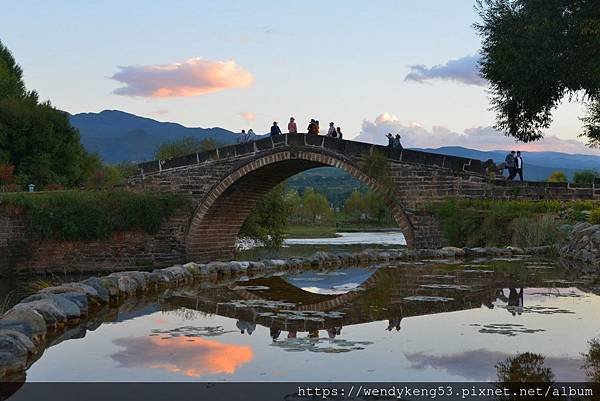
537	165
122	137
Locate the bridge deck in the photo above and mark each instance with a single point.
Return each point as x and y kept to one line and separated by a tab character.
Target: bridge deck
339	146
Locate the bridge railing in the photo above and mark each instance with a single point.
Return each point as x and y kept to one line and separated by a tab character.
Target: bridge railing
344	147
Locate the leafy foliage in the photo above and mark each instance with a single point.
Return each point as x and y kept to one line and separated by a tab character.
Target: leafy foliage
534	54
377	166
594	216
592	361
369	205
310	207
535	231
498	223
268	220
585	176
524	372
557	176
36	138
84	215
184	147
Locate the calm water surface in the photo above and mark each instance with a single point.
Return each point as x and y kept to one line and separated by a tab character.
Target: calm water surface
409	321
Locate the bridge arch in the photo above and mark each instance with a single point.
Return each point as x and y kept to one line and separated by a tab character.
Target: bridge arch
217	220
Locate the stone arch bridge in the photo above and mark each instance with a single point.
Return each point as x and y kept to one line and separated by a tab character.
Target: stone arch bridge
224	185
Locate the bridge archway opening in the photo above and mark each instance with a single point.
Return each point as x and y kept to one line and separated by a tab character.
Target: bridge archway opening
217	220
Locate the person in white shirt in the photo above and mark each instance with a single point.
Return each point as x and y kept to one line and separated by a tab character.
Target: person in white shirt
519	165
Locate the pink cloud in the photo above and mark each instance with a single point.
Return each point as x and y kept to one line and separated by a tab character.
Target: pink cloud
193	357
248	116
193	77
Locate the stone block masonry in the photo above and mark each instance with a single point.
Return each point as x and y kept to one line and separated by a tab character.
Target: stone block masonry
224	185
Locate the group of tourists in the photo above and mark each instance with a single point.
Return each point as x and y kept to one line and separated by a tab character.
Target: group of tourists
246	136
514	164
313	128
394	141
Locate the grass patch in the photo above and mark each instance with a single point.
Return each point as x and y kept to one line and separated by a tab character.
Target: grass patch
499	223
87	215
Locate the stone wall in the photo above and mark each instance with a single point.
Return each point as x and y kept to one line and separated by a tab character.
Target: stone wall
122	251
226	183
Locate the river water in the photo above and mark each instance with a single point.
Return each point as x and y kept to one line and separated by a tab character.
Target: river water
421	321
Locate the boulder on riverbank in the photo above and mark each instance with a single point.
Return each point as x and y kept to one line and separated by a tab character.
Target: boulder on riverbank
583	244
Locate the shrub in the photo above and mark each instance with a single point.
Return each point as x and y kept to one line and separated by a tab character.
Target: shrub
594	216
83	215
377	166
557	176
535	231
585	176
493	223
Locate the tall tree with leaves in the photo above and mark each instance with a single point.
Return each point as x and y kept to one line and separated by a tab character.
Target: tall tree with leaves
36	138
536	54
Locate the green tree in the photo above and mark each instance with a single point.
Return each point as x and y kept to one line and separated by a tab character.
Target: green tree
592	361
377	208
523	372
184	146
35	137
585	176
536	53
268	220
315	206
355	206
557	176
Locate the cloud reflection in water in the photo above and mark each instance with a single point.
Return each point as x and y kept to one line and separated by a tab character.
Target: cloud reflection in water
194	357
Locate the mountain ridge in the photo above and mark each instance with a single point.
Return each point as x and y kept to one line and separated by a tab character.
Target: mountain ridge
117	136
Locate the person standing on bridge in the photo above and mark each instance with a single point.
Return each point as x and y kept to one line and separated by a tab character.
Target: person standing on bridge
519	165
339	133
242	137
275	130
332	132
510	165
292	128
318	128
397	144
312	127
390	138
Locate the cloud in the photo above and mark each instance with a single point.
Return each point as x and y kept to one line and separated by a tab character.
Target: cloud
480	364
192	357
465	70
248	116
193	77
415	135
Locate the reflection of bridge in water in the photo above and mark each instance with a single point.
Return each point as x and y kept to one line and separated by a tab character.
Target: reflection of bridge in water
389	294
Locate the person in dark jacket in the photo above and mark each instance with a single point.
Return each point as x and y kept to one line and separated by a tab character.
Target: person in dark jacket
275	130
510	165
390	138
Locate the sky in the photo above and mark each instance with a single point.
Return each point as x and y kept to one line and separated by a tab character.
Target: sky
370	67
